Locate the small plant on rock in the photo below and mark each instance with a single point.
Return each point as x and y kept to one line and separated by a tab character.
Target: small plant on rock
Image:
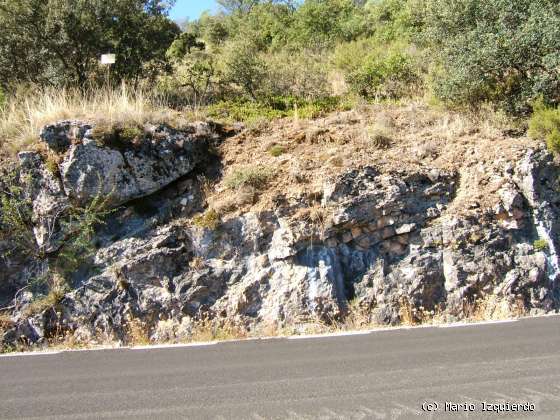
379	138
540	245
210	219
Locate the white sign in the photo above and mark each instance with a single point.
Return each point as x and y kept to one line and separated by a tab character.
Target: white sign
108	59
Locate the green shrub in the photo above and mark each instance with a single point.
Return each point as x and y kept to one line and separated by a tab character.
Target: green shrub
277	150
16	212
540	245
350	56
303	74
545	125
383	75
501	51
210	219
79	224
51	164
247	112
243	66
252	176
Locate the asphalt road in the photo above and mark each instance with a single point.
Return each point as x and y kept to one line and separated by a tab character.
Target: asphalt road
380	375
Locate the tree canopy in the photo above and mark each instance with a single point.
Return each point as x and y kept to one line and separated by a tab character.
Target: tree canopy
60	41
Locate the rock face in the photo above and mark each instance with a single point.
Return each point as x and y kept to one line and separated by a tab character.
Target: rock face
383	241
137	167
108	169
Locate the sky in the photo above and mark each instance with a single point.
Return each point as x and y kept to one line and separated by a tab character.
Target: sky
191	8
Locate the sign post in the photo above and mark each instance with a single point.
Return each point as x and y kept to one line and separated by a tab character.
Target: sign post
108	60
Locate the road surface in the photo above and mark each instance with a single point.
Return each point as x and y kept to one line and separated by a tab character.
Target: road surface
390	374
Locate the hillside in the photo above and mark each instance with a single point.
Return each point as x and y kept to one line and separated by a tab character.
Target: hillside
303	225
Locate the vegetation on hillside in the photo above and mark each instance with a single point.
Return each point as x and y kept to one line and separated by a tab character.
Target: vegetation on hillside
466	53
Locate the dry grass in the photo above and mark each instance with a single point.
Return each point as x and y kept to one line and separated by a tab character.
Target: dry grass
137	333
253	176
493	308
206	329
22	118
51	300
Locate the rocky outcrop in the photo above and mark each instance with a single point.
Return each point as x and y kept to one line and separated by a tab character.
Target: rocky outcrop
378	240
105	167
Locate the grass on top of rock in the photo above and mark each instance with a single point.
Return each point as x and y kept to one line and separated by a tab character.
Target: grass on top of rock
116	134
24	114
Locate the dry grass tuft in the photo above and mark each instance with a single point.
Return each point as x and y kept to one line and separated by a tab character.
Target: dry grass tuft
24	114
493	308
137	333
253	176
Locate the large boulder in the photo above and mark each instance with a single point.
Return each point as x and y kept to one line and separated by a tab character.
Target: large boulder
120	169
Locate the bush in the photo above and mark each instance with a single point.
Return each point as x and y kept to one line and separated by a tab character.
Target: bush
319	23
16	211
502	51
545	125
251	176
195	80
302	75
59	42
384	75
79	225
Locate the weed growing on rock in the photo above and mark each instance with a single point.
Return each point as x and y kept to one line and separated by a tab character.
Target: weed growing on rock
56	293
80	227
15	212
379	135
540	245
210	219
116	135
137	333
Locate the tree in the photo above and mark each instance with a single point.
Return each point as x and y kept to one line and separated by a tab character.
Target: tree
321	23
245	6
502	51
183	45
238	6
243	66
60	41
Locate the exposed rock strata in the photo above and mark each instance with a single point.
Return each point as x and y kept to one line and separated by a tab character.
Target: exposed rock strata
379	239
